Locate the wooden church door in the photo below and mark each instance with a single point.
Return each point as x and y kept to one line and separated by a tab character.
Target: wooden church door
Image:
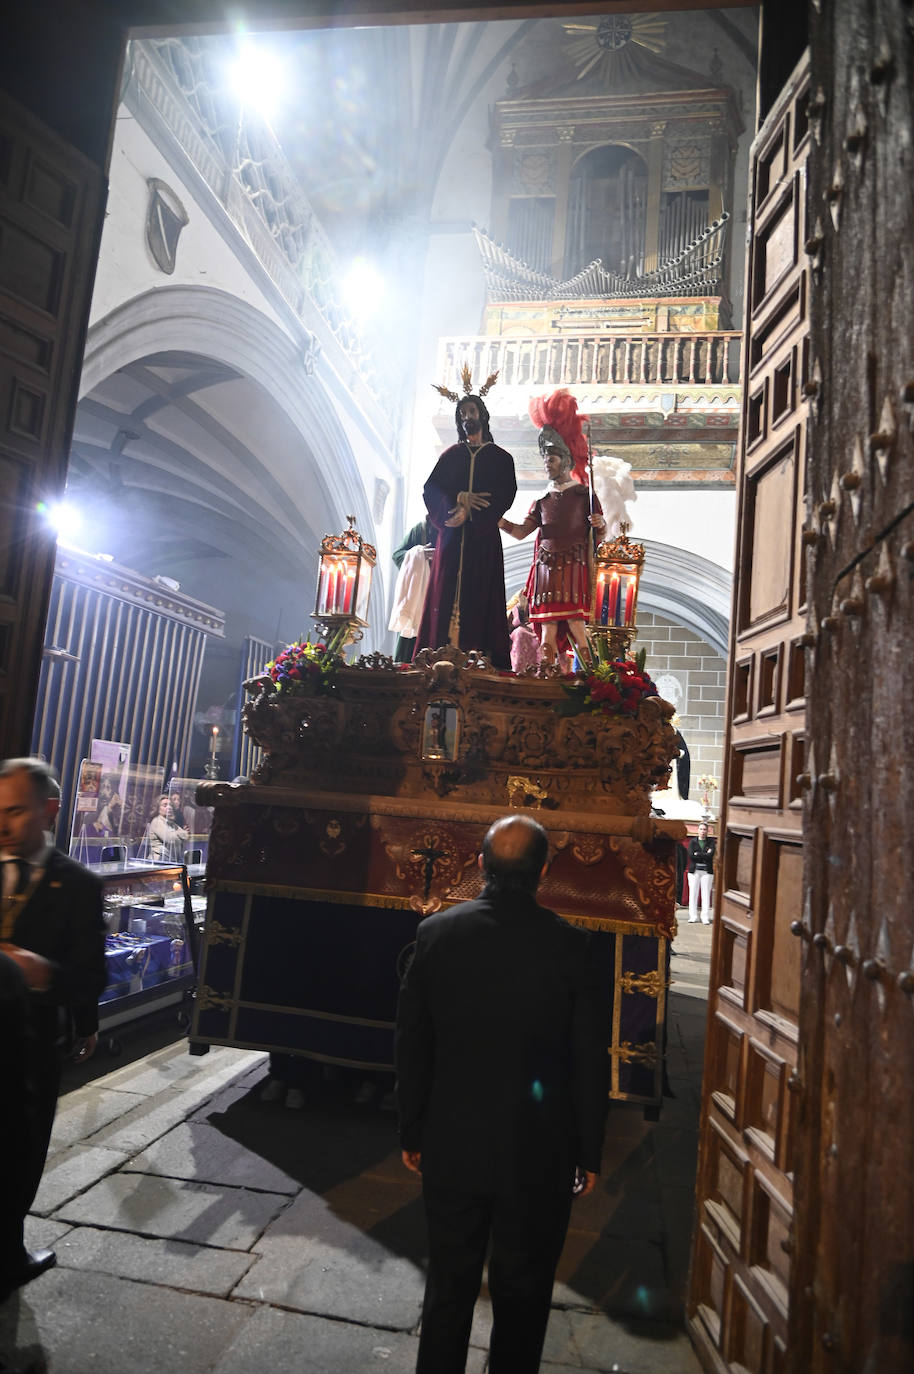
738	1302
52	201
852	1283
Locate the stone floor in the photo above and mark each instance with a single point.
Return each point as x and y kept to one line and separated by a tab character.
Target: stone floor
201	1231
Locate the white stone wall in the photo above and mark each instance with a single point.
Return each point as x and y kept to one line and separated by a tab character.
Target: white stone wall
674	651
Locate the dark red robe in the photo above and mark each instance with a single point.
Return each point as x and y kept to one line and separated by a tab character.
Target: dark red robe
483	622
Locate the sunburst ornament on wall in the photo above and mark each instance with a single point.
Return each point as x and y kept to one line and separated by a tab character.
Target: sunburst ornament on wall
598	47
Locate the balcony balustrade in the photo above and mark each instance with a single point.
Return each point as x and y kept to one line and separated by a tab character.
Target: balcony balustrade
595	359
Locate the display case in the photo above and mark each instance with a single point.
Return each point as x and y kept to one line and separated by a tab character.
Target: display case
150	942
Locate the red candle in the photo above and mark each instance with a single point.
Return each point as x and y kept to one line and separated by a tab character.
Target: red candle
615	599
630	601
347	591
334	590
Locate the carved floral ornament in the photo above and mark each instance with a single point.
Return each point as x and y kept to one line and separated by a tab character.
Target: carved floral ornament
378	729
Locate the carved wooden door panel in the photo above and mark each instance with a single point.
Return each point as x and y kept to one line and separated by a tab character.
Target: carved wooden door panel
51	206
738	1301
854	1266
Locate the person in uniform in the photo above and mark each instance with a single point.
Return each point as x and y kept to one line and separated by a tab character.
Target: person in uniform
564	517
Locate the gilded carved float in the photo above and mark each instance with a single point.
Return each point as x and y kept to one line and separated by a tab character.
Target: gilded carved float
368	813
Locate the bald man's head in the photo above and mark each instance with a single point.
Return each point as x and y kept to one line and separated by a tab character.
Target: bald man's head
513	854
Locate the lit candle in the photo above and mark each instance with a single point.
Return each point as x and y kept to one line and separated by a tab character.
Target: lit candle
334	589
347	590
630	601
322	592
213	747
615	599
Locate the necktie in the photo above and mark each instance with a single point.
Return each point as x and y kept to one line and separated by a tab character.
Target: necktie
23	874
22	868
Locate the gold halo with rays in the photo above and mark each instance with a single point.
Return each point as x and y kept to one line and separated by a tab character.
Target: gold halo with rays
596	47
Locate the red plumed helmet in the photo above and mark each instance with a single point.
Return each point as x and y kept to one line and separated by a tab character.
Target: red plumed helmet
560	412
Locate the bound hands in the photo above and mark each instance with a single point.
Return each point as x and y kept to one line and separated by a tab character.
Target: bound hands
467	502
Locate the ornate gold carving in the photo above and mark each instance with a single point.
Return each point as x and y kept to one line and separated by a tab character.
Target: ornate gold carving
525	792
645	1053
367	736
208	1000
651	984
218	934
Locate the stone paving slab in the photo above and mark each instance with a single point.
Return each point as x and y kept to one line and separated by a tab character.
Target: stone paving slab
69	1322
160	1111
43	1233
73	1171
352	1139
582	1340
87	1110
622	1276
166	1068
198	1151
289	1343
174	1209
320	1262
616	1210
174	1263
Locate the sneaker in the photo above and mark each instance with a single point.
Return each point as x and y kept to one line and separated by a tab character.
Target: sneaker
692	921
705	922
272	1090
295	1099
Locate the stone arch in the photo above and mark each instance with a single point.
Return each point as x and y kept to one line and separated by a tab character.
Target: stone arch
215	324
687	588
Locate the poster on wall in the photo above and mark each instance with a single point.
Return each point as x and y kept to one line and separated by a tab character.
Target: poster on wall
115	807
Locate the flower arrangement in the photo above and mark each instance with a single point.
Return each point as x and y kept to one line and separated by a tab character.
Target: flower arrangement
706	785
614	687
306	668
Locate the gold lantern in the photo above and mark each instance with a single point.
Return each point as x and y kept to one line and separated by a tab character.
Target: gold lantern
344	581
614	600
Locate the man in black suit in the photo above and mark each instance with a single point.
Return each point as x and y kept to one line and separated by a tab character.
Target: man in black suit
501	1062
51	928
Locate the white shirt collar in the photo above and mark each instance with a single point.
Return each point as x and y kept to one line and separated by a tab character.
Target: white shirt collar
560	486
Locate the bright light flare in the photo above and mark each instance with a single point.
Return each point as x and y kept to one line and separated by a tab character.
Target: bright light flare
363	289
258	78
64	518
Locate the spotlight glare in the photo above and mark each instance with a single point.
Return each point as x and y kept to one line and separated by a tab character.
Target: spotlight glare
258	78
63	518
363	289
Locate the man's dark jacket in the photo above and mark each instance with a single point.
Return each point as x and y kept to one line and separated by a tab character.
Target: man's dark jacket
702	858
501	1048
62	920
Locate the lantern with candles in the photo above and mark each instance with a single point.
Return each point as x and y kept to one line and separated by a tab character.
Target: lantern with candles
617	573
344	580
